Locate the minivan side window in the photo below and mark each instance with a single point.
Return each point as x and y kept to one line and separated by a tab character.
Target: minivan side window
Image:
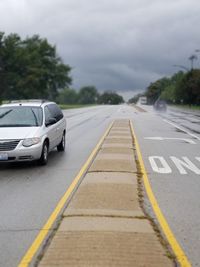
47	114
55	111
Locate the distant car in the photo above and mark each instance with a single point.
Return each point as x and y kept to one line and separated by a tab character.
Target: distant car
160	105
143	100
29	130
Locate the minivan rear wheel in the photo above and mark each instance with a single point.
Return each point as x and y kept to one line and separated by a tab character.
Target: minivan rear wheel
44	156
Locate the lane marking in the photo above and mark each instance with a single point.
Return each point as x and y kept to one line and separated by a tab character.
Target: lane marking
26	260
181	257
159	138
182	129
185	162
160	165
163	168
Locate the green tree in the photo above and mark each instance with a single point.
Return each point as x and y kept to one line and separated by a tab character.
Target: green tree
188	89
30	68
169	92
110	97
2	71
155	89
68	96
9	56
88	95
135	98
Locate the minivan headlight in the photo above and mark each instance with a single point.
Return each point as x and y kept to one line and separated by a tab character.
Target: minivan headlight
31	141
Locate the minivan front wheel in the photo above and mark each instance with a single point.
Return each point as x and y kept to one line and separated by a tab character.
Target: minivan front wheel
61	146
44	156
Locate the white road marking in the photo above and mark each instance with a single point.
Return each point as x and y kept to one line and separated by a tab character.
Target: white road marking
180	164
182	129
164	165
198	158
160	165
157	138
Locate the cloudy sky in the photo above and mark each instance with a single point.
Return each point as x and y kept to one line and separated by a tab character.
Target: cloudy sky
120	45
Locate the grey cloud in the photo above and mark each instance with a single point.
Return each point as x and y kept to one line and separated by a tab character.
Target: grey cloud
117	44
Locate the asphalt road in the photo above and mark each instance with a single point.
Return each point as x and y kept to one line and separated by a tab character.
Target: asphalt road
29	193
170	148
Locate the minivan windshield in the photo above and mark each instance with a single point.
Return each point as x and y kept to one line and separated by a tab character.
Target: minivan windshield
20	116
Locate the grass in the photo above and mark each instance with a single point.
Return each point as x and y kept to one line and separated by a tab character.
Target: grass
70	106
191	107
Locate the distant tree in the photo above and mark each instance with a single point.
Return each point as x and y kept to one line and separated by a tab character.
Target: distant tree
88	95
135	98
155	89
153	92
181	88
9	54
67	96
169	92
110	97
2	72
188	89
30	68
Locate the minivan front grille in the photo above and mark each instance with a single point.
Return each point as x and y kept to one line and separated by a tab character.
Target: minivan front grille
8	145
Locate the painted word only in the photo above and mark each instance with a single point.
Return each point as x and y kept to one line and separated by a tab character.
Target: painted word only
183	164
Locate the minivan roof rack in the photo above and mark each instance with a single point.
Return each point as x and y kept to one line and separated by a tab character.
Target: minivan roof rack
28	100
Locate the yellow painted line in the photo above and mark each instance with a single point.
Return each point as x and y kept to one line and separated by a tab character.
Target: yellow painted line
181	257
26	260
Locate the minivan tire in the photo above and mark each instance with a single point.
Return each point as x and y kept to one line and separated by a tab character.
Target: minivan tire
44	156
61	146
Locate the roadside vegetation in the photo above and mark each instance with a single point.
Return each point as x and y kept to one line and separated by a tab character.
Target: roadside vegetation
193	107
88	95
180	89
32	69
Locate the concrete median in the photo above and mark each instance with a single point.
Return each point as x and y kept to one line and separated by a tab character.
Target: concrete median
104	225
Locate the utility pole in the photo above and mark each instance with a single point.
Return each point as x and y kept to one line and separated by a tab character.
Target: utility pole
192	58
197	50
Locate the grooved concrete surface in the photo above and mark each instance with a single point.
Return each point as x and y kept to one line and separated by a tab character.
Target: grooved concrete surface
103	224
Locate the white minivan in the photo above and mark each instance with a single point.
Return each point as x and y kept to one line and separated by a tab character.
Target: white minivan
30	129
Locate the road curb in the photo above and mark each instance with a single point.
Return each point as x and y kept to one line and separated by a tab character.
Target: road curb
104	225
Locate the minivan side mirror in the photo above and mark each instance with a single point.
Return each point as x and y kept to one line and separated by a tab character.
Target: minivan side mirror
50	121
